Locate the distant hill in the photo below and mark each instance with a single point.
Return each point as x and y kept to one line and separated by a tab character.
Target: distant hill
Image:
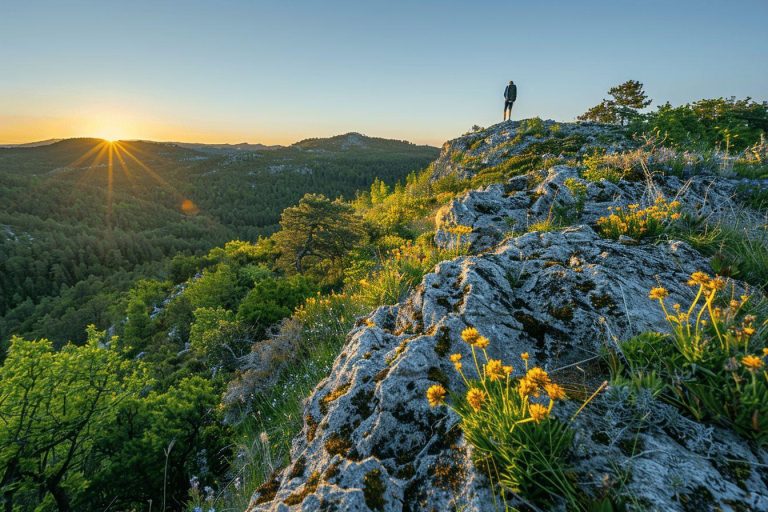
30	144
354	140
225	148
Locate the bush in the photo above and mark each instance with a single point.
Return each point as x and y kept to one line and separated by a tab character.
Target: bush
271	300
636	222
597	169
711	364
727	124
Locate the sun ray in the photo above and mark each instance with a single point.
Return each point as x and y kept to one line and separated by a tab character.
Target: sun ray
110	180
124	167
89	169
149	171
98	147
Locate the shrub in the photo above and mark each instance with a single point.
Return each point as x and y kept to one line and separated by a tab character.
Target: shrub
712	362
509	423
597	169
636	222
402	270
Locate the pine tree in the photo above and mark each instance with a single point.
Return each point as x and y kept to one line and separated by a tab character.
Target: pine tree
628	98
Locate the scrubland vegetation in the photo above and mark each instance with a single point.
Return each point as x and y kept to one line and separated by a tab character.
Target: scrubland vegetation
198	391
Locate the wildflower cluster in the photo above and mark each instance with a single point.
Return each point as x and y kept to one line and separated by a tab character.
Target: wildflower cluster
507	418
715	366
637	222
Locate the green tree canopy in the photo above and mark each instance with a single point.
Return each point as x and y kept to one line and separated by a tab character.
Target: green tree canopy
628	98
53	408
316	229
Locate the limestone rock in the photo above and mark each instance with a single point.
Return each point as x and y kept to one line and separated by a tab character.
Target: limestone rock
370	440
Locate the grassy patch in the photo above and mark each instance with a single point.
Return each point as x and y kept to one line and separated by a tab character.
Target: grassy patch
735	251
711	363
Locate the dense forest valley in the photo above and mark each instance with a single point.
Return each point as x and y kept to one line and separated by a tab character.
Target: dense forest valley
83	219
165	311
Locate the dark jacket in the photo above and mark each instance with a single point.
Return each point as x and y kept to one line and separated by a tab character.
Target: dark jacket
510	93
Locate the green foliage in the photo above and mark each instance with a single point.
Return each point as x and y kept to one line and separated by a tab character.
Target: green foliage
316	234
737	251
628	98
68	254
271	300
183	423
54	406
142	299
401	271
597	169
725	123
711	364
216	338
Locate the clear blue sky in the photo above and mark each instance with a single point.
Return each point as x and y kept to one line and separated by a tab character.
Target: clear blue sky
278	71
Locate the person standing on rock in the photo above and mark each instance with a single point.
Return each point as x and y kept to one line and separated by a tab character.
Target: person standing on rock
510	95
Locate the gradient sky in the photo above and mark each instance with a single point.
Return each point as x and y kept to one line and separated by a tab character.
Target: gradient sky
426	71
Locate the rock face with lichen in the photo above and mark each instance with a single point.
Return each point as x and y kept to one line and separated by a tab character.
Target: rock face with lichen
370	440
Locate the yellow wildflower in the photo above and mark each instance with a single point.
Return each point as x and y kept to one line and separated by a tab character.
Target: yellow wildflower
527	388
482	342
752	363
538	412
508	370
455	358
658	293
436	395
538	376
698	278
554	391
749	331
476	398
718	283
524	356
470	335
494	370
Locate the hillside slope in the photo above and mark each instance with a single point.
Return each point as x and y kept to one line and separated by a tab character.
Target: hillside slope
541	280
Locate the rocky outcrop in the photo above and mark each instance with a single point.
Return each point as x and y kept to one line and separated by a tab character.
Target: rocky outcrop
482	148
371	442
370	438
501	210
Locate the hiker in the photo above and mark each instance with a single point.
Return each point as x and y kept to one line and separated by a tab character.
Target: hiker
510	95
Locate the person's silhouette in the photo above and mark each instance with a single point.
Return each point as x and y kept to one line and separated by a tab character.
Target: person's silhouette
510	95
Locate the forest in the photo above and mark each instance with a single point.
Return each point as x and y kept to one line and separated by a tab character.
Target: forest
81	219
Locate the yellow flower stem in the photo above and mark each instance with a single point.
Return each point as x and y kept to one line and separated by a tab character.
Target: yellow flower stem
477	366
714	320
598	390
466	382
695	301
